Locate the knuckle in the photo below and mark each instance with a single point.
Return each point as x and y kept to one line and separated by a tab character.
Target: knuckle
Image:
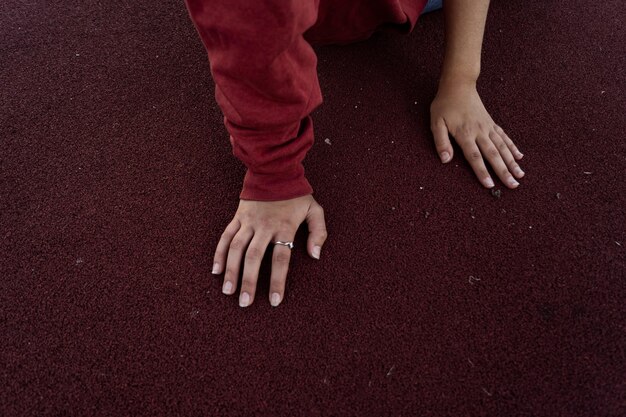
244	217
474	155
467	129
254	253
278	280
436	122
319	209
225	235
323	234
265	222
493	152
248	284
286	226
237	244
504	173
230	272
281	257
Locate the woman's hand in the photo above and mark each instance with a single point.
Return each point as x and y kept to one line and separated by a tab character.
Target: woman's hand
256	225
457	109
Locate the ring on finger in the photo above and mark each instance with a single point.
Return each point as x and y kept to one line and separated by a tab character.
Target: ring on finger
288	244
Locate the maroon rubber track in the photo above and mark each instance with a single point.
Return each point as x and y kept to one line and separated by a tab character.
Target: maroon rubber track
431	298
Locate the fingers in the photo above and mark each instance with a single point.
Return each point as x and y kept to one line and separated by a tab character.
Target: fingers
498	149
495	160
475	159
281	255
219	259
505	153
235	250
516	153
442	140
317	230
252	264
256	225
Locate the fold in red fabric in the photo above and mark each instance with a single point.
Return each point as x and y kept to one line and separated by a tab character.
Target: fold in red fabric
265	72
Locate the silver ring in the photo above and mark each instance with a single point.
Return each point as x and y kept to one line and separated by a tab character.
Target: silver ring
288	244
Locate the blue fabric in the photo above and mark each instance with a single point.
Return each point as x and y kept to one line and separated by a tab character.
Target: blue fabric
432	5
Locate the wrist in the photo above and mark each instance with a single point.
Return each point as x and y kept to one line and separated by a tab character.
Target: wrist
275	186
456	80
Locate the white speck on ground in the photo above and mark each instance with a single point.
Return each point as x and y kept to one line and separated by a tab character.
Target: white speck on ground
470	362
618	243
587	172
327	141
79	261
486	392
472	279
391	370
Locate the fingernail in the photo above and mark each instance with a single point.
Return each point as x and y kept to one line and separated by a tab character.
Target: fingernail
216	268
519	172
489	182
520	154
275	299
316	252
445	156
244	300
513	182
228	288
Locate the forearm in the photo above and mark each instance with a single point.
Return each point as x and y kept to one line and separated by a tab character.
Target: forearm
266	85
464	22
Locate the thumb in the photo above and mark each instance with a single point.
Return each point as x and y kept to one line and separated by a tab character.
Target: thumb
317	230
442	140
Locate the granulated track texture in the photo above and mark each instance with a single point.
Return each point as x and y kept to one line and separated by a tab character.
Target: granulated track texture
432	297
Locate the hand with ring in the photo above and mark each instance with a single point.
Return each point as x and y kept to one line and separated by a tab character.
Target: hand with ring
256	225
